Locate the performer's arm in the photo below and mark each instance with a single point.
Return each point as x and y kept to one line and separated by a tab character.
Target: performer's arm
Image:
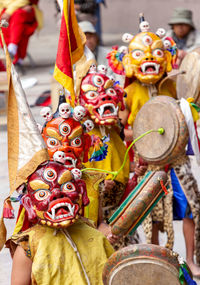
21	269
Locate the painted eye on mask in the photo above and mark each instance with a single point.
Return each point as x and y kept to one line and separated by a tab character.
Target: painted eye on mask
158	52
50	174
64	129
147	40
42	194
136	54
98	81
91	95
76	142
52	142
68	187
111	91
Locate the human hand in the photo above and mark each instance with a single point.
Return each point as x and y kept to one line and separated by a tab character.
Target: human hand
140	169
109	184
181	55
106	230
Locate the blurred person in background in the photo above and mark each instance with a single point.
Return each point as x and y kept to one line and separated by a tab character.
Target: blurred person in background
92	42
24	18
86	10
183	32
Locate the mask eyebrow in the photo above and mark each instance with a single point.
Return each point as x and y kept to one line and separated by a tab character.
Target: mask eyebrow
65	177
38	184
108	84
53	133
88	87
76	132
157	44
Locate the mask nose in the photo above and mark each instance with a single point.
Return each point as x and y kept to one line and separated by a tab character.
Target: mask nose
56	193
106	97
64	147
149	56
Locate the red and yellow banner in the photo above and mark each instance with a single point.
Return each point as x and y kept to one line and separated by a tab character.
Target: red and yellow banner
70	48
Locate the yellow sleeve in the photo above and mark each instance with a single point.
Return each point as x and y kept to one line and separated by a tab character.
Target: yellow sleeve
137	96
12	5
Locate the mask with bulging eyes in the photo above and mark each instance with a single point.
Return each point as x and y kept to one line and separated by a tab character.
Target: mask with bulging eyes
67	135
147	59
53	197
101	97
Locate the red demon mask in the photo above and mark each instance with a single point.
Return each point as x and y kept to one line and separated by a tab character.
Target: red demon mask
53	197
101	98
67	136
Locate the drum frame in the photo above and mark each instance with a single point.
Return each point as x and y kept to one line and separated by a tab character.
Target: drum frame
120	214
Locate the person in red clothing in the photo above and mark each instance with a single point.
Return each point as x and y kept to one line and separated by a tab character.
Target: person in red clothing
23	17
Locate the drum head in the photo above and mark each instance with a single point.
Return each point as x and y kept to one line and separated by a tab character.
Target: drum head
159	112
188	84
142	264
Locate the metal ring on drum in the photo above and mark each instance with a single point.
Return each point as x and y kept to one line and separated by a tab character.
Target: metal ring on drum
142	264
161	111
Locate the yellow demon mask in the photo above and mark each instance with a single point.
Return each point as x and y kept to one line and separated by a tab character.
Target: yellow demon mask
147	59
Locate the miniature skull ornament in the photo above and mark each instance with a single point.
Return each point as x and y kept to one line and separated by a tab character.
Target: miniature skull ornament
123	49
92	69
65	110
144	26
167	44
46	113
76	173
79	113
102	69
112	78
89	125
59	156
161	33
126	38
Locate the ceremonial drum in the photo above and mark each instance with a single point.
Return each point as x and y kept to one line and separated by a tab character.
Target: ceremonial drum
161	112
188	84
142	264
138	204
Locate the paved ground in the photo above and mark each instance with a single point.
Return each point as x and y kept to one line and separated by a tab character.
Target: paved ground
43	50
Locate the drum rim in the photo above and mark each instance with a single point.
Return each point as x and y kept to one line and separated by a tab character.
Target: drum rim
160	102
181	77
173	152
120	254
168	266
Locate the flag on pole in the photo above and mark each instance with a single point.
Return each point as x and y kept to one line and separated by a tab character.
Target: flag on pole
26	148
70	48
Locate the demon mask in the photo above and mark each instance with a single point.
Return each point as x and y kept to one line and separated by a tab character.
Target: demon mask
54	196
66	135
147	58
101	97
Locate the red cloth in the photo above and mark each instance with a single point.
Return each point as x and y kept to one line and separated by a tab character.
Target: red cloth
2	66
22	25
